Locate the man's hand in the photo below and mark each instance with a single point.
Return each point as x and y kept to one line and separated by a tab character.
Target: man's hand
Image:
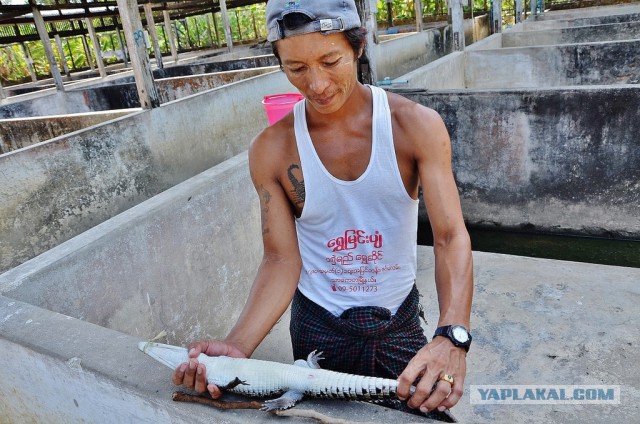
437	358
193	375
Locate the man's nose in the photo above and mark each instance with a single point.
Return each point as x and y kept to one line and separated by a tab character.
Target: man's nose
319	80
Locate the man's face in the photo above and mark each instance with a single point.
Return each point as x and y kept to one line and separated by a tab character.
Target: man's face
322	67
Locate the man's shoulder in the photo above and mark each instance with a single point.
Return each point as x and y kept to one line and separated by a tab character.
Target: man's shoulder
273	144
407	111
410	119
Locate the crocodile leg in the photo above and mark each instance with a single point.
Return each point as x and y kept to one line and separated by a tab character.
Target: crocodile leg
291	397
233	383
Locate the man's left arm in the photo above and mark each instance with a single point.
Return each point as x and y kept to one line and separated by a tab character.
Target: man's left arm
453	267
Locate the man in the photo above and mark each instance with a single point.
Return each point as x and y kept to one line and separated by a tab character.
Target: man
338	185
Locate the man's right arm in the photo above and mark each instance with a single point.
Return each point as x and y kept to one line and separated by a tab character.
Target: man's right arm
277	277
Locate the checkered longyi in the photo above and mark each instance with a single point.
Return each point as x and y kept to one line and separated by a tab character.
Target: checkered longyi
365	340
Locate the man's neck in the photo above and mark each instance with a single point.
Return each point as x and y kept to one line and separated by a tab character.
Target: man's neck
358	102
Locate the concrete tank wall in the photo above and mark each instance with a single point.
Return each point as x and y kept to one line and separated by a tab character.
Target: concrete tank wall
547	66
121	93
561	160
442	74
402	54
588	34
22	132
630	14
160	265
55	190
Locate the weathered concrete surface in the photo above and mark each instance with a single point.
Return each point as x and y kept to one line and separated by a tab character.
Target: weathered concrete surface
62	187
121	93
534	321
202	234
538	321
553	21
617	10
586	34
442	74
22	132
601	63
406	52
58	369
564	160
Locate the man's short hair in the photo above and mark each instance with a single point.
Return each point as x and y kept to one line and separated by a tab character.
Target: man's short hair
355	37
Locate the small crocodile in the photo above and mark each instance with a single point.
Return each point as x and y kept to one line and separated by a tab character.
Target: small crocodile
254	377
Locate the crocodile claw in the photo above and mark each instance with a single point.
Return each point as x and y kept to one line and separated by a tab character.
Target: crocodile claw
286	401
313	359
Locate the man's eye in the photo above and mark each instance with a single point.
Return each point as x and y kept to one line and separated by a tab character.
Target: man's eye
296	70
334	63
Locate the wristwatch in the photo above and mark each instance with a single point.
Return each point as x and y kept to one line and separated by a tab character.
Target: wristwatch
458	335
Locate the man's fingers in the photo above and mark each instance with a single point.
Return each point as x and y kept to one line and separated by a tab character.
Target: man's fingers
214	391
456	393
408	376
178	374
201	379
440	393
190	374
422	392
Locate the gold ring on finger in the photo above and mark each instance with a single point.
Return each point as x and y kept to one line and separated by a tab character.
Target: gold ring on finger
446	377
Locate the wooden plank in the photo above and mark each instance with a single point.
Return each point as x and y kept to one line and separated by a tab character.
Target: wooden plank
226	25
63	58
48	50
96	47
134	34
169	32
151	25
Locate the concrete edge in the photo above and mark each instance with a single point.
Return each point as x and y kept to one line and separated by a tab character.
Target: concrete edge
114	357
13	277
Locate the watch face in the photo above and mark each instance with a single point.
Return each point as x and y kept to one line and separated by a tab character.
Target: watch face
460	334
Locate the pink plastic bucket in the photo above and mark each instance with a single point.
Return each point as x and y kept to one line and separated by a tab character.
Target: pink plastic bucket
278	105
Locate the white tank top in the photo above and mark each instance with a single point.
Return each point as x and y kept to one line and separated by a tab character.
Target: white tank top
357	239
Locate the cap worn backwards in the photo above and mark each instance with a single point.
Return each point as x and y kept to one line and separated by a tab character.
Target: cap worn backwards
326	16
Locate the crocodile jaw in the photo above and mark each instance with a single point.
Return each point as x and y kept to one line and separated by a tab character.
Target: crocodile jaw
171	356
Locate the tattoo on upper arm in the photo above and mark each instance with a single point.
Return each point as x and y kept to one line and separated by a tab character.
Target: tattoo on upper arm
298	185
265	198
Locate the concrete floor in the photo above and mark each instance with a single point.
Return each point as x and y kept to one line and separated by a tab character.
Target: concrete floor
535	321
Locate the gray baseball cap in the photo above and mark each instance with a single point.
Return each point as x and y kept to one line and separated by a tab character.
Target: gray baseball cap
324	16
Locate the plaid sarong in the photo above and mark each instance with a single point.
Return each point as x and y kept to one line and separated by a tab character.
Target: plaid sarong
364	340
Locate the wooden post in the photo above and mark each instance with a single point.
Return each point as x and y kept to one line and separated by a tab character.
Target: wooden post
457	24
154	35
29	61
123	48
534	4
73	61
2	95
497	16
87	52
255	27
215	28
238	22
63	59
96	47
418	7
48	50
206	18
134	34
172	40
195	23
518	17
368	72
389	14
226	25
